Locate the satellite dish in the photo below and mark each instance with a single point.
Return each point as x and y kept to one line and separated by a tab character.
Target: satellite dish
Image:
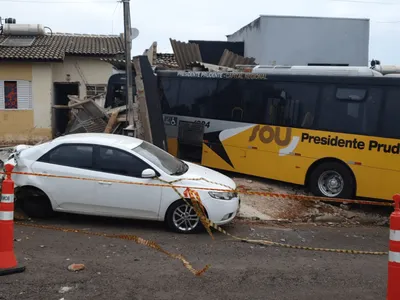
134	33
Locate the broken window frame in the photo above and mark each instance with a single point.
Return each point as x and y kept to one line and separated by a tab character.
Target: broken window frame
93	90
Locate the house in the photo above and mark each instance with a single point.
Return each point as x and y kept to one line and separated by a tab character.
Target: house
294	40
37	72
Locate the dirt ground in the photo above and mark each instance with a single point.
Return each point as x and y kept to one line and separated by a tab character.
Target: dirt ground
305	211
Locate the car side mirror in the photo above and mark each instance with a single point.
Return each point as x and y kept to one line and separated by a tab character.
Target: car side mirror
149	173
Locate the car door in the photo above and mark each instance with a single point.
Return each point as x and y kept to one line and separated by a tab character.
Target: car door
71	195
120	199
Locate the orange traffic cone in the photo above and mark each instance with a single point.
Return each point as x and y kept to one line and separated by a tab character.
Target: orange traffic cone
393	290
8	262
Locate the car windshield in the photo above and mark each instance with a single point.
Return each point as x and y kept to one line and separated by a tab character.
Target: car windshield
162	159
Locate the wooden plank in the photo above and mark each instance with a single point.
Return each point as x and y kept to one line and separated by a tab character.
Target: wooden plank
121	118
79	103
111	122
118	109
61	106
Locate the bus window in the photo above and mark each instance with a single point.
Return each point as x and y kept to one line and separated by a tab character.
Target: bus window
195	98
253	103
389	117
349	110
228	100
115	95
372	107
291	104
169	91
240	101
350	94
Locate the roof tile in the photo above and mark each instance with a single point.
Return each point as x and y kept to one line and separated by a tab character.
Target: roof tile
55	47
167	60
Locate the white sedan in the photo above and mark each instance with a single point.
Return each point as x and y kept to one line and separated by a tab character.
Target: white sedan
101	157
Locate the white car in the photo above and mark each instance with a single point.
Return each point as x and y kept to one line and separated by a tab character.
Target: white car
103	157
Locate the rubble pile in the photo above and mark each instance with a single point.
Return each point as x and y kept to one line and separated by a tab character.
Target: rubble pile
288	210
88	116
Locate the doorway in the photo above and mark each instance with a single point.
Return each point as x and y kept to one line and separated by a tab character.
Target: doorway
61	115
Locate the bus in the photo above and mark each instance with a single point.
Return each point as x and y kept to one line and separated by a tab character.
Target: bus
334	131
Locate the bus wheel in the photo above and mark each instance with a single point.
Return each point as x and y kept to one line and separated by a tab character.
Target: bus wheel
332	180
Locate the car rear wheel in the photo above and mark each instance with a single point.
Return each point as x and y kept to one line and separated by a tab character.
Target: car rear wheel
182	218
34	203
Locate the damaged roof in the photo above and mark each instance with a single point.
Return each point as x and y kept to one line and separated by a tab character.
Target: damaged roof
166	60
56	46
162	60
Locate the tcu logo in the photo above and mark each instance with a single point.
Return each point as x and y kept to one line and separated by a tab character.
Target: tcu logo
267	134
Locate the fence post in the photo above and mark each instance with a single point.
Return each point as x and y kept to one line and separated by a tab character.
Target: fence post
8	261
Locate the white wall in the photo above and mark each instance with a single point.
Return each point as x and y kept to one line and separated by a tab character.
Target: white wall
42	88
289	40
252	36
91	70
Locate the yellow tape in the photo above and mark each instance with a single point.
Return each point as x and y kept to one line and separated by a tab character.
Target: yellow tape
226	189
196	198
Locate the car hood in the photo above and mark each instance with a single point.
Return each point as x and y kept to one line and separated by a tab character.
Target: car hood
213	179
11	159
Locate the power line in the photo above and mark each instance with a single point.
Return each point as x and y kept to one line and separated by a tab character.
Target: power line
116	6
366	2
388	22
59	2
112	18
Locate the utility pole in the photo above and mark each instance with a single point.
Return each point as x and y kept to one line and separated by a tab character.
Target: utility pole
128	60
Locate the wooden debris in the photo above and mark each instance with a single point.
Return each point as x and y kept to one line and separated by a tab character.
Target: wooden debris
87	116
111	122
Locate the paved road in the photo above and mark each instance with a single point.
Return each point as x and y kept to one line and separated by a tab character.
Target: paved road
118	269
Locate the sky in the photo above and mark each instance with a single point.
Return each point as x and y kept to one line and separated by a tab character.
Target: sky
159	20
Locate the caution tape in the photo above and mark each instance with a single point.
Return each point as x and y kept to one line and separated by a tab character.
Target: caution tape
199	209
169	184
315	198
196	201
196	198
128	237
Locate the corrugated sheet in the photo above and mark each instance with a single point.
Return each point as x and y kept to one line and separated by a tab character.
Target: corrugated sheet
230	59
185	53
211	51
200	66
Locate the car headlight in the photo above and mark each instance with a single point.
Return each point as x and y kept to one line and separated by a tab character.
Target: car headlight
223	195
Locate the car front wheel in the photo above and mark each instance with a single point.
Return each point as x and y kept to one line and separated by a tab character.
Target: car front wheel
182	218
34	203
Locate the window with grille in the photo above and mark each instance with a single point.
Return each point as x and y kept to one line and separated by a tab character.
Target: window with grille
15	95
95	89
